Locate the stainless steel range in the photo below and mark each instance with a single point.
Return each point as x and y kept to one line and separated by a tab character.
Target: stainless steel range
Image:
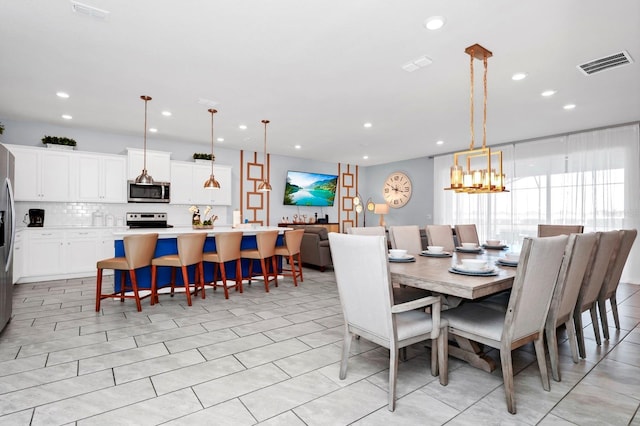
147	220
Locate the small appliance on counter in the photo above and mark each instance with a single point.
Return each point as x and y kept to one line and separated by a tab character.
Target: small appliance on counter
36	218
147	220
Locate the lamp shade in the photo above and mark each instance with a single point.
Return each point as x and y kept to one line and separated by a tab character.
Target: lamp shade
381	209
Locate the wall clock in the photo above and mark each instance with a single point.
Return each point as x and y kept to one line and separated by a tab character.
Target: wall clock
397	190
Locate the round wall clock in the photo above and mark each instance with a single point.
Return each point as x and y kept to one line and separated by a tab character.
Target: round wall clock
397	190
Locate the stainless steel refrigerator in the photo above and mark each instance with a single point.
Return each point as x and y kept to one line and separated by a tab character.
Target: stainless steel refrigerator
7	234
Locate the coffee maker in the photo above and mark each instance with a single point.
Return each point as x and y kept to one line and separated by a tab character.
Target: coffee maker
36	218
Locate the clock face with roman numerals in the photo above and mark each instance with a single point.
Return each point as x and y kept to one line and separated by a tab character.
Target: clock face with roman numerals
397	190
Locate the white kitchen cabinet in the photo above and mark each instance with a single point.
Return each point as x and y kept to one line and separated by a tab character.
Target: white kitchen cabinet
80	251
106	247
41	174
100	178
44	255
187	184
158	164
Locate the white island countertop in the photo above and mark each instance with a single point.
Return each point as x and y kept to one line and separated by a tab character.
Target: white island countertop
178	230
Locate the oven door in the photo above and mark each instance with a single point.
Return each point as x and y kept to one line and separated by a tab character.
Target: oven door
155	193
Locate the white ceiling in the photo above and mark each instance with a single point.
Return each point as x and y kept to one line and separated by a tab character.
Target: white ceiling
319	70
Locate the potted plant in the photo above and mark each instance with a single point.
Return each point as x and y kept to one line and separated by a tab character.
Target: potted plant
201	156
1	128
49	141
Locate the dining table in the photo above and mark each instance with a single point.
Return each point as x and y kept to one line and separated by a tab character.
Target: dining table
437	275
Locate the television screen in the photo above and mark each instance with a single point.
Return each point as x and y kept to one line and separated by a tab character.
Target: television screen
310	189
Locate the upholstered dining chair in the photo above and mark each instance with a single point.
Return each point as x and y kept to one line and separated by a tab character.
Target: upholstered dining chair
291	250
364	287
467	234
551	230
265	252
401	294
577	257
440	235
368	230
406	237
227	250
138	252
524	320
190	248
612	279
593	280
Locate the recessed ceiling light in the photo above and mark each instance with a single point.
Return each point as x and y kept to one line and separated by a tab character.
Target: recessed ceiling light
519	76
166	113
153	129
548	93
367	125
366	157
242	127
297	147
62	95
67	116
439	142
220	139
569	106
434	23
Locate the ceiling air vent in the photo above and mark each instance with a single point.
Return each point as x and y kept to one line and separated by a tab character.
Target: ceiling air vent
608	62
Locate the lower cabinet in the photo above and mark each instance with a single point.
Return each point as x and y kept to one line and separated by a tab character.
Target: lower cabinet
59	254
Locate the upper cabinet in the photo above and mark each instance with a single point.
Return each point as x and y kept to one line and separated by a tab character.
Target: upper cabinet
42	174
100	178
158	164
187	184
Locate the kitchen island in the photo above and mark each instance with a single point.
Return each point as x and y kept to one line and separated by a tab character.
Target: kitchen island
168	244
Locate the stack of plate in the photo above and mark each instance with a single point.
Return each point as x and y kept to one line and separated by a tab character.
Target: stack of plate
486	271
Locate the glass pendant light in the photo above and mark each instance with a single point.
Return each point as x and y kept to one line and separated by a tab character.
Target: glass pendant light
264	185
145	178
212	183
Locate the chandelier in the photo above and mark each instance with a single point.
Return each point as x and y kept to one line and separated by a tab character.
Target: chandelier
478	170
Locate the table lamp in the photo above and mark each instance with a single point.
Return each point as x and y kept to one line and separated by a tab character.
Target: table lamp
381	209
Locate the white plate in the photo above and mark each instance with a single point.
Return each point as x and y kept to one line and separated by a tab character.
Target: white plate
485	270
475	274
406	259
507	262
440	254
500	247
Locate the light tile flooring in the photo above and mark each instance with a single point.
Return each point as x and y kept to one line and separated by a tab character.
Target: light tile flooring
272	359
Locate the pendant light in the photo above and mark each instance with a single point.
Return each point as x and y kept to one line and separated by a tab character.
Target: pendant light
264	185
144	178
212	183
478	170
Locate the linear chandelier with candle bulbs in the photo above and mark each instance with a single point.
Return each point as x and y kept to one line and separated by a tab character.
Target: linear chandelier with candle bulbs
478	170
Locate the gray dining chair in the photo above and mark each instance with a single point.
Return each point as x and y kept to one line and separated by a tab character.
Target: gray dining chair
612	279
440	235
467	234
406	237
551	230
364	286
607	244
577	257
524	320
401	294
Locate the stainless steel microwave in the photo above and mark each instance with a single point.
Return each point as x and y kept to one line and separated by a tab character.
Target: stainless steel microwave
157	192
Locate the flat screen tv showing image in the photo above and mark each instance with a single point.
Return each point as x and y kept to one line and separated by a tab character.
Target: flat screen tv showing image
310	189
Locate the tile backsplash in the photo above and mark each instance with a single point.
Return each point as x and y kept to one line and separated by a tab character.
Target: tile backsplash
81	214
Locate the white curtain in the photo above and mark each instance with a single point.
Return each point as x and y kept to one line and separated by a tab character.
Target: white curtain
589	178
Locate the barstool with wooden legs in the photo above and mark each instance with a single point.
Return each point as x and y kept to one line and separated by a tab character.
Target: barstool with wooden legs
227	249
290	250
190	248
138	252
266	249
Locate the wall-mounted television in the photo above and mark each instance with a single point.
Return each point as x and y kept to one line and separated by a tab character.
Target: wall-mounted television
310	189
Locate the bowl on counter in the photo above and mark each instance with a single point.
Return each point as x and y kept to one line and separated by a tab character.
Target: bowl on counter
493	243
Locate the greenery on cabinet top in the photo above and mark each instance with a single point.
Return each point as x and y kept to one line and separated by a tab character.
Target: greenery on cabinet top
203	156
56	140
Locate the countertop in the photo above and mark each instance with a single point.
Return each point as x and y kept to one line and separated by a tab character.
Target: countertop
178	230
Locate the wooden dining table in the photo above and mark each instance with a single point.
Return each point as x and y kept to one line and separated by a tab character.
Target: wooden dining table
432	273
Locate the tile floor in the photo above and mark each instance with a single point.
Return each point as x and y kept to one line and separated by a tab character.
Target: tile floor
272	359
